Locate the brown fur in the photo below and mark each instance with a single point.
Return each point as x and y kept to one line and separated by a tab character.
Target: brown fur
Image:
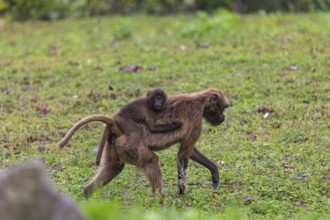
189	110
142	111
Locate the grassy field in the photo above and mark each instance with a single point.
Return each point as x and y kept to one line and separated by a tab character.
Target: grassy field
272	165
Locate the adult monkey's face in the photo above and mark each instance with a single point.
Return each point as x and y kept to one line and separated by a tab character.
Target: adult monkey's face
215	106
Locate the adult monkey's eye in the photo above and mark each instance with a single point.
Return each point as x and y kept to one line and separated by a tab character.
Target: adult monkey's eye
214	99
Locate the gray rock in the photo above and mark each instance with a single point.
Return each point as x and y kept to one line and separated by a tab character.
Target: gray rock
27	194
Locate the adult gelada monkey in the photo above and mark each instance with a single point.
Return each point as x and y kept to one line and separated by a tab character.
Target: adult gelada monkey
189	110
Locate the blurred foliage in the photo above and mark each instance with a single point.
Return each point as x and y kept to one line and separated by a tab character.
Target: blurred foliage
49	10
282	5
105	210
122	31
272	166
97	210
207	25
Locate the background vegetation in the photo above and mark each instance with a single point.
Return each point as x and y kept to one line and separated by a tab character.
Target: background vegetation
273	150
50	10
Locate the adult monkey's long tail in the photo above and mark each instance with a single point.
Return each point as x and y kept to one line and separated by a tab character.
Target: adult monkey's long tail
102	118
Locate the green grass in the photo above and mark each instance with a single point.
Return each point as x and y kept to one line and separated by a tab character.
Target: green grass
53	74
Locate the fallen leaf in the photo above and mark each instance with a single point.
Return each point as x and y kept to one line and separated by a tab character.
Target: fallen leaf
282	73
131	68
287	165
43	109
41	148
253	137
34	100
247	198
54	49
293	68
239	165
263	109
220	163
183	47
75	96
326	176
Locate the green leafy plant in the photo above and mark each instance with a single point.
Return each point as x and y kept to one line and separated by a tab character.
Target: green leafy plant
205	25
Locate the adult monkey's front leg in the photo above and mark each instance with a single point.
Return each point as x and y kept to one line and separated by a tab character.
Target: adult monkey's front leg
182	165
203	160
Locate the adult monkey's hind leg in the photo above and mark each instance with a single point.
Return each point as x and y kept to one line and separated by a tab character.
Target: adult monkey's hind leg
110	167
148	161
201	159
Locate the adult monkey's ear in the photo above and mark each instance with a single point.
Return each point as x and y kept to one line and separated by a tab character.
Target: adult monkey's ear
214	99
